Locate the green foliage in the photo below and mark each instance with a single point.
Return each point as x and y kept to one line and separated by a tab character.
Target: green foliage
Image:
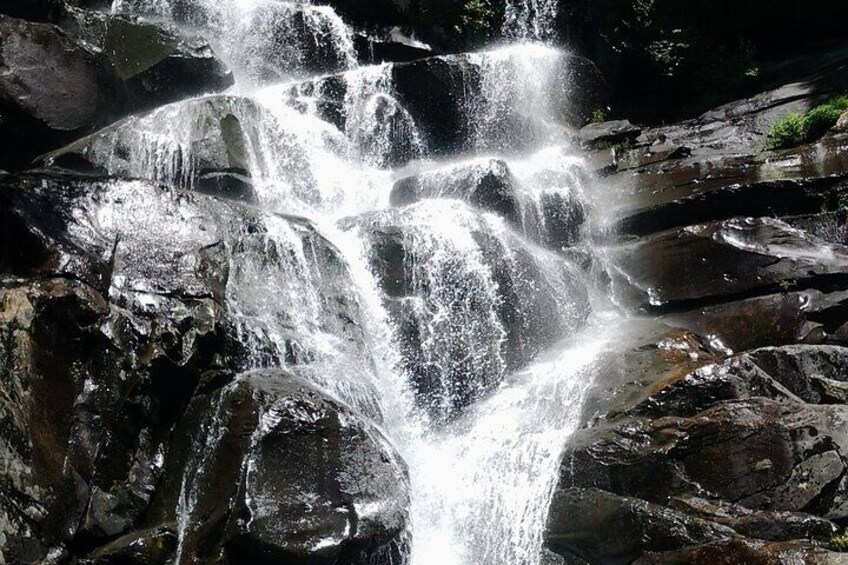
475	15
599	115
796	129
839	542
789	131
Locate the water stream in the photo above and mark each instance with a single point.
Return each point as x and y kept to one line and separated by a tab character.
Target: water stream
475	368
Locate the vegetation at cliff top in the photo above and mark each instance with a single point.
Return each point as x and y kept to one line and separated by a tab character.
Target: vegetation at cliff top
839	542
796	129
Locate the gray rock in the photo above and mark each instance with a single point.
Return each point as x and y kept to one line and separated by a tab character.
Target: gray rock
156	65
582	522
742	550
483	315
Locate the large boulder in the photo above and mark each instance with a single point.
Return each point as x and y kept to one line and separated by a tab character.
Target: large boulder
51	90
470	300
471	102
271	469
155	64
90	392
488	185
751	446
210	149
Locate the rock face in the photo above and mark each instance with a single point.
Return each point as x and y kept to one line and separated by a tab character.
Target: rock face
155	65
546	208
452	114
488	186
285	474
110	327
31	113
717	436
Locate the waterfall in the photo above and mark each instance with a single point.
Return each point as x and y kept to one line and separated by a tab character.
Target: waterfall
462	328
530	19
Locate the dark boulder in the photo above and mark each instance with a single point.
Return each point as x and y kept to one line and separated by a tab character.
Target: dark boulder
604	528
194	257
210	152
91	393
156	65
51	90
573	87
472	102
274	470
547	210
608	133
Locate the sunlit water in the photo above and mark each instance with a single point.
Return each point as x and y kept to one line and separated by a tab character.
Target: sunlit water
483	457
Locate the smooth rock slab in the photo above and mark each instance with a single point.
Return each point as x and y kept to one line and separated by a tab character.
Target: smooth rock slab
709	262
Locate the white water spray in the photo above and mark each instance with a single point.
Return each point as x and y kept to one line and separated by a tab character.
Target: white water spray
484	293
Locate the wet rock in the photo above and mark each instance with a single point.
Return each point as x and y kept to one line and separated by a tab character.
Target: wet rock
761	453
156	546
285	473
711	198
524	299
580	522
740	550
710	262
548	211
51	90
651	355
191	258
389	48
575	86
608	133
210	151
807	316
487	185
156	65
776	526
90	397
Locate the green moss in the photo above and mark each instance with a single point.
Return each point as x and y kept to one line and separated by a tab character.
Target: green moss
839	542
796	129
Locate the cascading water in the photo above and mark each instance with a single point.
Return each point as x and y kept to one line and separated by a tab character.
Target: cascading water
461	320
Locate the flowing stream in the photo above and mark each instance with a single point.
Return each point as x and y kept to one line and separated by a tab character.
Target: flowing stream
475	370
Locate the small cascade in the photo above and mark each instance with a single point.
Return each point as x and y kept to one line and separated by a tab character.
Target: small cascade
452	310
519	93
530	19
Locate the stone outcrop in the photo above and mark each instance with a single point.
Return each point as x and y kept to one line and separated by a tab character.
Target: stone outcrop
718	436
